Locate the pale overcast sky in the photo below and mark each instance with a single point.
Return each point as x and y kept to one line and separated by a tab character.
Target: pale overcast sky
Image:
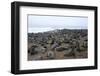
39	23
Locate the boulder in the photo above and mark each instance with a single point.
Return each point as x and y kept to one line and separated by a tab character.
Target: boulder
50	55
54	46
67	52
40	49
60	48
32	51
36	49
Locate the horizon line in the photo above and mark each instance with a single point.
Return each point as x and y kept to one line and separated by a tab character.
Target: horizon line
60	29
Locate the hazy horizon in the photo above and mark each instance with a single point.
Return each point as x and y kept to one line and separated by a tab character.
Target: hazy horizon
39	23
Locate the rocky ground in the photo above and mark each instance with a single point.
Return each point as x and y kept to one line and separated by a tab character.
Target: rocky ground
58	44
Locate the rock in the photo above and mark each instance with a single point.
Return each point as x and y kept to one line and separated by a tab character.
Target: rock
28	50
72	52
38	57
49	41
54	46
32	51
50	55
60	49
63	41
36	49
68	51
40	49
